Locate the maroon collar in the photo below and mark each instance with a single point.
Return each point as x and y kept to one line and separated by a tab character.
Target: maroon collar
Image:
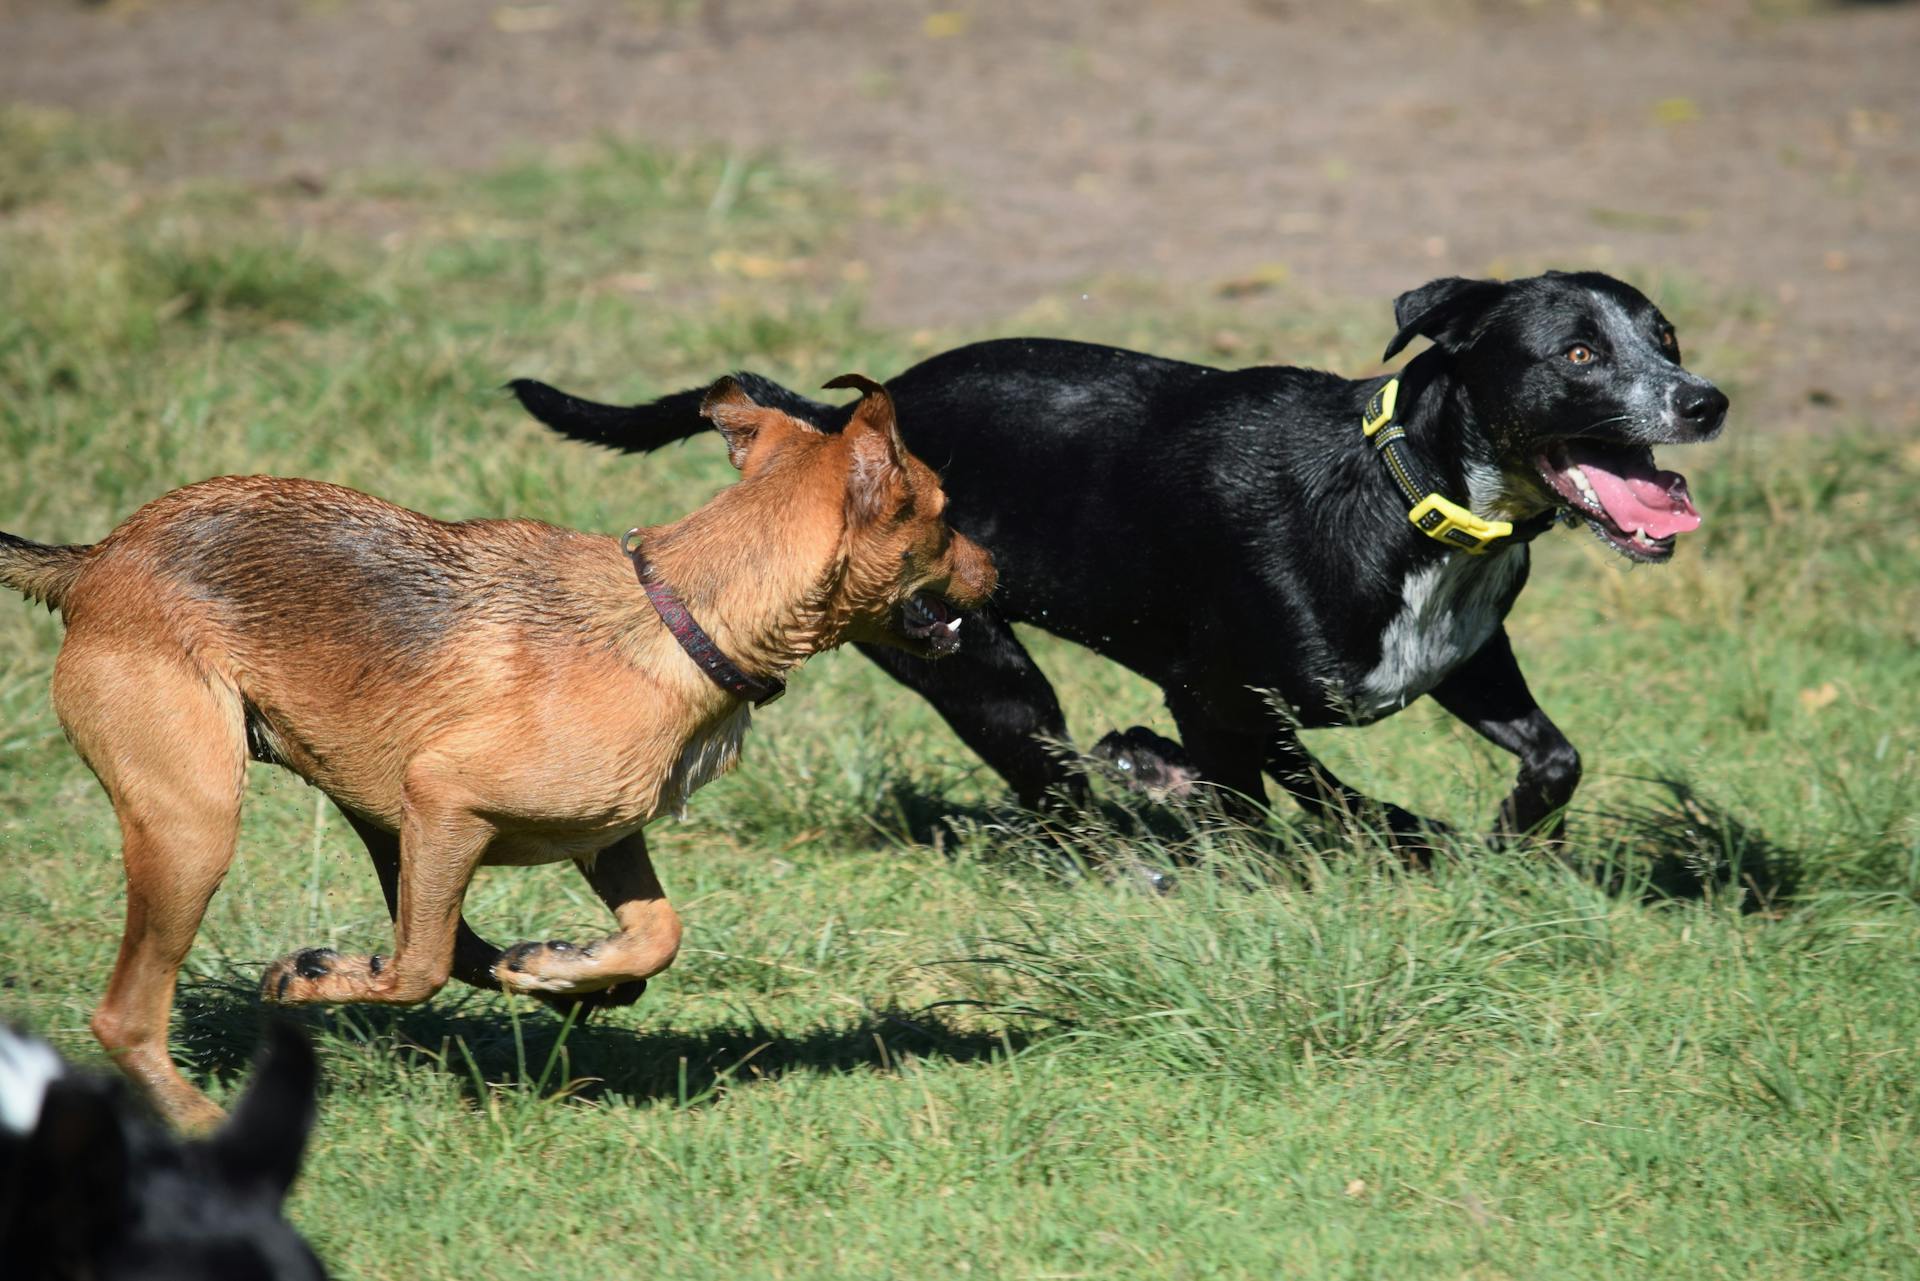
693	638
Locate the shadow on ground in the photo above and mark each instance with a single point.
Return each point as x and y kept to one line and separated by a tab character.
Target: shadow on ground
1684	846
485	1047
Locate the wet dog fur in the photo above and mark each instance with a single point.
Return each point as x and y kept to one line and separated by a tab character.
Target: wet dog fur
486	692
1234	538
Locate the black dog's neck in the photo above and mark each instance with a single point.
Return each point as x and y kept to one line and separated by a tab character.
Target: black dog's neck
1438	416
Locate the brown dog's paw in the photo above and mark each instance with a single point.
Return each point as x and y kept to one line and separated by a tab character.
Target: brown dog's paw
319	975
555	967
565	975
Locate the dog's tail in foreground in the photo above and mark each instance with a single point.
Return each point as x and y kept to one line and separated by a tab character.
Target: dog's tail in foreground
637	429
40	573
90	1186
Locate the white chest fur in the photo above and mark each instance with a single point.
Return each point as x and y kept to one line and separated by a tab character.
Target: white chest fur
710	753
1448	610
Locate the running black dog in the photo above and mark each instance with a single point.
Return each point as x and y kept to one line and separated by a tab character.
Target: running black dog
92	1187
1275	547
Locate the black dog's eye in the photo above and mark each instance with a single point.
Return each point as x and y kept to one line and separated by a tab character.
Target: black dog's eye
1580	353
1669	343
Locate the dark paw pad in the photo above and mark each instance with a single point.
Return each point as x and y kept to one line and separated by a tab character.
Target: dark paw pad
314	963
1148	761
515	957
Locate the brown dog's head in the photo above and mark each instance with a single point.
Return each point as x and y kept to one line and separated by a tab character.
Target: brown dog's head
902	576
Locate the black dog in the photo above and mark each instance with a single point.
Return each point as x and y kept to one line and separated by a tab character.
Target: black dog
1278	547
91	1187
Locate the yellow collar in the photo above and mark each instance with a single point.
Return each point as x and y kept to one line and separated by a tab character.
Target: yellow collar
1432	513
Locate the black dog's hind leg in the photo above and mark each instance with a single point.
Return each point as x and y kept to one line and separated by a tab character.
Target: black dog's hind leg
1227	760
473	956
1321	793
1489	693
999	703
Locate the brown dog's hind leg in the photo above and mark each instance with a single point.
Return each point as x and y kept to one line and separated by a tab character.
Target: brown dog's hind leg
440	846
170	749
613	969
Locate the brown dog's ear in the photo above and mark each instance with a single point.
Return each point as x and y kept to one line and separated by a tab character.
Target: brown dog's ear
876	479
737	415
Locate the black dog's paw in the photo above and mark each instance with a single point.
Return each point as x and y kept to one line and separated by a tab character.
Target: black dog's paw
1148	762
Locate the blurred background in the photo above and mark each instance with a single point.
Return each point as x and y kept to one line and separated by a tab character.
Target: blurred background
1010	165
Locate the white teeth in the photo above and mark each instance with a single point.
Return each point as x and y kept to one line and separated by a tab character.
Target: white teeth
1581	483
954	626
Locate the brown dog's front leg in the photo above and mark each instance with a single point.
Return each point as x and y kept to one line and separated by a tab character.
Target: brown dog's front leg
438	854
649	938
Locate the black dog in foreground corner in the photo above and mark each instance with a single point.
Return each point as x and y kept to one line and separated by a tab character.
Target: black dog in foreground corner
92	1188
1275	547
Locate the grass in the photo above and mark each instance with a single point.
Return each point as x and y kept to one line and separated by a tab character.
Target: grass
904	1038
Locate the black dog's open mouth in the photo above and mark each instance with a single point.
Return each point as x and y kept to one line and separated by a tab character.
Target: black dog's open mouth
1637	509
930	623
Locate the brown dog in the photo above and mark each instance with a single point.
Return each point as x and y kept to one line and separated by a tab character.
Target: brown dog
487	692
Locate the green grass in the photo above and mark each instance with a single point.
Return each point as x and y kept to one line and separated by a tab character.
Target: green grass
901	1041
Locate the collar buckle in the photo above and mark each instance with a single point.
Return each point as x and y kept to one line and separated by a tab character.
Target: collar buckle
1448	522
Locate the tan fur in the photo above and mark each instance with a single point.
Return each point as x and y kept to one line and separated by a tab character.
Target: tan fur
487	692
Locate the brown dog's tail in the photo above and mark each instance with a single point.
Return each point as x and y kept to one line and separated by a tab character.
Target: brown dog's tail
39	572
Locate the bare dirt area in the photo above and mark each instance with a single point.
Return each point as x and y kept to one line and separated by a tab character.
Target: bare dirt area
1353	149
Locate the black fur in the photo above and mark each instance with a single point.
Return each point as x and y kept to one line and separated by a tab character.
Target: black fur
1232	537
98	1190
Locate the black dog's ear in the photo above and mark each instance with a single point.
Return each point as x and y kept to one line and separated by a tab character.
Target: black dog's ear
261	1144
1443	310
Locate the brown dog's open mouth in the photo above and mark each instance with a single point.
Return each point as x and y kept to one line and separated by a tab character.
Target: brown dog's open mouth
931	623
1637	509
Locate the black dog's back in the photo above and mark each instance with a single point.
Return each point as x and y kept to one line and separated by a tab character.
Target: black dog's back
1169	460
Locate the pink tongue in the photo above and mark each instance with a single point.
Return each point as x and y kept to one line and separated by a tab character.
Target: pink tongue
1654	502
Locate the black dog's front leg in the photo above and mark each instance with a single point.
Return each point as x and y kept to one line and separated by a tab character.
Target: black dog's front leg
1489	693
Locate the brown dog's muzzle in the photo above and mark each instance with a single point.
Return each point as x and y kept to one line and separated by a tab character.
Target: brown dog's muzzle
930	623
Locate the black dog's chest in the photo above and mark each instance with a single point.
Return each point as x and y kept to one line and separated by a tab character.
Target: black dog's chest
1446	610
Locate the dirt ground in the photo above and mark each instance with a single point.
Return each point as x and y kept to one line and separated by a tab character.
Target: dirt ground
1361	147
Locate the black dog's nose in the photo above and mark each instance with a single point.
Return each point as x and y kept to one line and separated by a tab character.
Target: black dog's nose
1703	408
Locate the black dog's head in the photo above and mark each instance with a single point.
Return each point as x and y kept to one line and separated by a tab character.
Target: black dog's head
91	1187
1573	378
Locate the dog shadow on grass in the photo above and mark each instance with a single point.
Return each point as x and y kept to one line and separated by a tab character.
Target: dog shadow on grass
1677	844
1681	845
485	1047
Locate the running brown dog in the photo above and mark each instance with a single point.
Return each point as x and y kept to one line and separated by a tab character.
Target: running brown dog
487	692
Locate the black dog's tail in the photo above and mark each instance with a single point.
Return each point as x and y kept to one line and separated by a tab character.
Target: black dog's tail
636	429
39	572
